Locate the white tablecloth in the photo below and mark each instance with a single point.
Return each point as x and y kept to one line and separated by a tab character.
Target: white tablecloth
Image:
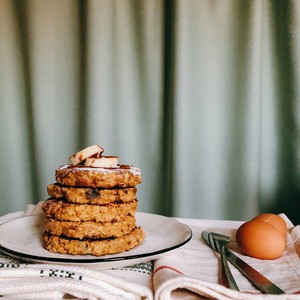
190	272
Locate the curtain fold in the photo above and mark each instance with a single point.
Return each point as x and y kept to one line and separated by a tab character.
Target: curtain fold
203	96
219	102
286	34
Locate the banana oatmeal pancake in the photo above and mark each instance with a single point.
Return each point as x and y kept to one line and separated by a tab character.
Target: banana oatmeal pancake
92	206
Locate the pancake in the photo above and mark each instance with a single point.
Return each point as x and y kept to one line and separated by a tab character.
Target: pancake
91	195
97	247
94	177
65	211
88	229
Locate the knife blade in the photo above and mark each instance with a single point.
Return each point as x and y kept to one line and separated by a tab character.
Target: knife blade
259	280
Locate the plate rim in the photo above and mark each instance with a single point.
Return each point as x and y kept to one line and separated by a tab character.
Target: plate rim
100	259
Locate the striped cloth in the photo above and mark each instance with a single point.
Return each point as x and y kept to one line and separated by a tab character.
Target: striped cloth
193	271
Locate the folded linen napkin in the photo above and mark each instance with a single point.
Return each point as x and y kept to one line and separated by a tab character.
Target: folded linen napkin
20	279
192	272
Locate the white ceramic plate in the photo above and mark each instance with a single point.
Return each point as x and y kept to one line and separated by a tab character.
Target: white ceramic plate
22	238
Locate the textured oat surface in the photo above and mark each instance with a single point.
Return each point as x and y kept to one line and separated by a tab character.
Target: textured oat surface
65	211
76	176
89	229
60	244
91	195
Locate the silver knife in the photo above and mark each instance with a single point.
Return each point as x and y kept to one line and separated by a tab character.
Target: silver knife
260	281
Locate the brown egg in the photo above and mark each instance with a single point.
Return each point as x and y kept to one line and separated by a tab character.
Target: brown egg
274	220
260	240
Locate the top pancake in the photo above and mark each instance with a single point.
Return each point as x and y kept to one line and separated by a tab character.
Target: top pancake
83	176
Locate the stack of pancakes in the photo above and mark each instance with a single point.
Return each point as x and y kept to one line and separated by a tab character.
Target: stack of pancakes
91	210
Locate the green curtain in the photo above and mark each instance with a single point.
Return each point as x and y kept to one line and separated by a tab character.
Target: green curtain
202	95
